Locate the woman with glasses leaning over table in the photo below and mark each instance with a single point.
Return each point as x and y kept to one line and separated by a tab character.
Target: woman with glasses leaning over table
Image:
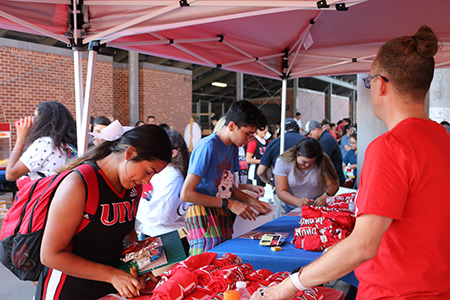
305	175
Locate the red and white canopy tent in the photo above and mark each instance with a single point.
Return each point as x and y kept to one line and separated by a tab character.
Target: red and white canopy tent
276	39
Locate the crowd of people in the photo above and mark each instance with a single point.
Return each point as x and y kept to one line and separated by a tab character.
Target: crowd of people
223	176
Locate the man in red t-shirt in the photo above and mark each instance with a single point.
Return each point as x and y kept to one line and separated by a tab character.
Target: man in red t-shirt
399	246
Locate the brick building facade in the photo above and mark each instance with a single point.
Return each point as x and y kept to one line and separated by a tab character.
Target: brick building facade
32	73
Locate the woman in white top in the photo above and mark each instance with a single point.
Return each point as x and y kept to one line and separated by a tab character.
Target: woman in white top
160	209
305	175
48	142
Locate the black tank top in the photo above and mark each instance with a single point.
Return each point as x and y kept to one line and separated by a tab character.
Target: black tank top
101	241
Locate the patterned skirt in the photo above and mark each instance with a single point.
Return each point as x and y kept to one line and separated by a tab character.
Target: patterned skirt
208	227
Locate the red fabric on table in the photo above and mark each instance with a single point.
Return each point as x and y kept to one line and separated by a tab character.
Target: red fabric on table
252	286
197	261
218	284
278	277
227	259
181	284
205	274
258	275
230	274
218	296
331	294
197	295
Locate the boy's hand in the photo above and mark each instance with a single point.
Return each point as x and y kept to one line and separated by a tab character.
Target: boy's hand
261	207
242	209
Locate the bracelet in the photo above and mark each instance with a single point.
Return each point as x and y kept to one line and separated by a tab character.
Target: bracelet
296	281
328	194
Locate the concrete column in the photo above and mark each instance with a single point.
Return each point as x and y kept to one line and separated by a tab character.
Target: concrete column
295	96
239	86
328	98
369	126
439	96
353	107
133	86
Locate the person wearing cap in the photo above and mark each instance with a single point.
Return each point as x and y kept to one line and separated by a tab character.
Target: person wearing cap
399	245
268	160
330	146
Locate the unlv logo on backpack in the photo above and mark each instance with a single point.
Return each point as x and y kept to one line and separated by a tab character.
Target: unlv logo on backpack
120	212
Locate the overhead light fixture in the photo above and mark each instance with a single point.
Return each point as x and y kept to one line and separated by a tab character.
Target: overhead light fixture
219	84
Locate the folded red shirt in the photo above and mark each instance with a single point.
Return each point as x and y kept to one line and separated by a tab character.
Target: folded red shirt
227	259
258	275
181	284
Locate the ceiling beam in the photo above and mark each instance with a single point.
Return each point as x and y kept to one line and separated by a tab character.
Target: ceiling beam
200	70
336	81
121	56
48	41
228	79
208	79
271	88
180	64
156	60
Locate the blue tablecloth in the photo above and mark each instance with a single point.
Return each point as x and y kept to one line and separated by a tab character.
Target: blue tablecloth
263	258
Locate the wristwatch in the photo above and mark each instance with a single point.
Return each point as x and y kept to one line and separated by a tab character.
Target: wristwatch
224	204
328	194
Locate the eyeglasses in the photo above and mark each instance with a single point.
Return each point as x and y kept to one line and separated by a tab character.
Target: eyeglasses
249	134
368	80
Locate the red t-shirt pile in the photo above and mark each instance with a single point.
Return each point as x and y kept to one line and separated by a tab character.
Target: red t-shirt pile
322	227
206	277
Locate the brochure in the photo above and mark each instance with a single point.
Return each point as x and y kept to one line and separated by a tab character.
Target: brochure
153	252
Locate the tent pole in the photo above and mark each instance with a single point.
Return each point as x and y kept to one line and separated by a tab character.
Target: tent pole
85	119
283	114
78	69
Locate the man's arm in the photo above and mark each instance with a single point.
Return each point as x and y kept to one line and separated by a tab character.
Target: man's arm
262	173
361	246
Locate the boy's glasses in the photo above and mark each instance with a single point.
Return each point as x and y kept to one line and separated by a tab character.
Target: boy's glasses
249	134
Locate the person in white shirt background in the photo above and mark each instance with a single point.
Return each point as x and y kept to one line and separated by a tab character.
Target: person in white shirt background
160	209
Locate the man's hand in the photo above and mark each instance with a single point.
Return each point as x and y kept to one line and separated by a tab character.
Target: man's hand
283	291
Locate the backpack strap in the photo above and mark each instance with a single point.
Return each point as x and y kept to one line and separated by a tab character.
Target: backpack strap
88	174
53	184
24	209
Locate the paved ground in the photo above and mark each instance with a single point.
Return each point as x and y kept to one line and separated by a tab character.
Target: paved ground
11	288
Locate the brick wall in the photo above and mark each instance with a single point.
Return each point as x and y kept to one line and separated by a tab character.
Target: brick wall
28	77
121	107
165	95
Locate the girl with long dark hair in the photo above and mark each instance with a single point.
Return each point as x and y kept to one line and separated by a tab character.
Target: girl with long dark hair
305	175
49	138
84	265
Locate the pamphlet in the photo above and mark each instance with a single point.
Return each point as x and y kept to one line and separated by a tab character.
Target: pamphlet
153	252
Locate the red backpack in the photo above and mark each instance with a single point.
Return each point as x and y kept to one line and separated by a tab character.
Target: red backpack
24	224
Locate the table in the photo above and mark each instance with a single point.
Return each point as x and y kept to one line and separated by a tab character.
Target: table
263	258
